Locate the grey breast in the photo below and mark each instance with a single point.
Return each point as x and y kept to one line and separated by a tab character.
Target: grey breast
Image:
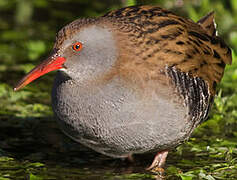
117	121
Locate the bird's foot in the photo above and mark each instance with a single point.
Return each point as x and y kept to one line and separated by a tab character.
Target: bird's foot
158	163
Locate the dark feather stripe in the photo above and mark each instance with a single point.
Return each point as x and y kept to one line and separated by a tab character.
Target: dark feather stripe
199	35
195	93
167	22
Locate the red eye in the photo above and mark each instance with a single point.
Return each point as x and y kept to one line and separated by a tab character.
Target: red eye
77	46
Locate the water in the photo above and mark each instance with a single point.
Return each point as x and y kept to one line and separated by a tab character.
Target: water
33	147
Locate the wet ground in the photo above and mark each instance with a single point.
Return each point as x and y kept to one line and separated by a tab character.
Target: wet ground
34	148
31	145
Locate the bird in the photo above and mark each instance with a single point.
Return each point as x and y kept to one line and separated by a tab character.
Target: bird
136	80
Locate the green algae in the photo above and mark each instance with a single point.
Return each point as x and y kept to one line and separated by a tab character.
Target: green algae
31	144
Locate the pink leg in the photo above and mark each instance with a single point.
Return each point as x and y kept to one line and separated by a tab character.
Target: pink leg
159	161
130	158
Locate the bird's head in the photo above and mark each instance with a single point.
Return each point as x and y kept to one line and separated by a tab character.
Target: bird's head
83	49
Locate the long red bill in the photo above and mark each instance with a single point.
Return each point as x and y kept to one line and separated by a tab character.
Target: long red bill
50	64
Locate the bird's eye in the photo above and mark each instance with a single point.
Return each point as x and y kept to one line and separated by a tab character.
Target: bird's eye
77	46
